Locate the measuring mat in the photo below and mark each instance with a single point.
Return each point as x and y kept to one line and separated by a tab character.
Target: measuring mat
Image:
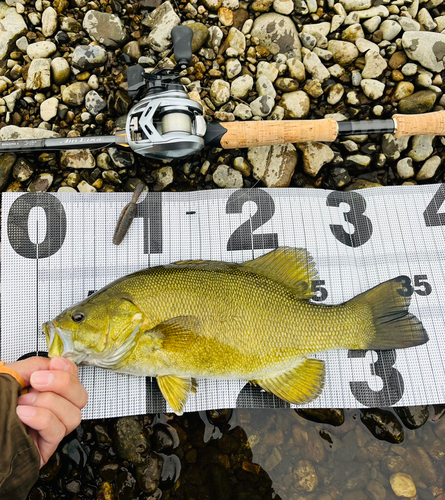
57	249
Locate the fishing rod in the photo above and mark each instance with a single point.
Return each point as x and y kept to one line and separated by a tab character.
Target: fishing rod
166	124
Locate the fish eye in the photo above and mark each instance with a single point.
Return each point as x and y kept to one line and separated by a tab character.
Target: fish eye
78	317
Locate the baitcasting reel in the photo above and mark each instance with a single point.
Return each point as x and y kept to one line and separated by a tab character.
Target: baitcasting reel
165	123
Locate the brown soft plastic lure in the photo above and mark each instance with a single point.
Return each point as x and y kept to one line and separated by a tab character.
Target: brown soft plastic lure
127	215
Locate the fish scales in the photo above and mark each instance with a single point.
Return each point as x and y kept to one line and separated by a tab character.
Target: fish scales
248	322
251	321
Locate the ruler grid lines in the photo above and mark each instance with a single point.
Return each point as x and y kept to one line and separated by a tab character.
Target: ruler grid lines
357	239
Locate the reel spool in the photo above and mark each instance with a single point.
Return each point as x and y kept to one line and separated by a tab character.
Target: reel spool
166	123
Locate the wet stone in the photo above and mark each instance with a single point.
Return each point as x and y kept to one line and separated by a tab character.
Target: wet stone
120	158
50	470
148	475
412	417
383	425
125	486
130	440
403	485
161	438
108	471
305	477
7	161
106	492
41	183
23	170
325	416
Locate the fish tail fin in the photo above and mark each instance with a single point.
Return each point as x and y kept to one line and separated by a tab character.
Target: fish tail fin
393	326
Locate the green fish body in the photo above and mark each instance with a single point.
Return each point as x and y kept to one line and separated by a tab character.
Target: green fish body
207	319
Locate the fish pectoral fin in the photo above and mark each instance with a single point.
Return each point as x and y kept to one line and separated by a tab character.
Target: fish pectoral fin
299	385
177	334
176	390
292	268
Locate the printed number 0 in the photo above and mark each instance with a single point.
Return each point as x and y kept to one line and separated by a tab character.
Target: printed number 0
362	224
393	386
18	231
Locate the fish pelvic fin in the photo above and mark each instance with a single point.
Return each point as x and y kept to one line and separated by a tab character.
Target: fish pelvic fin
298	386
176	390
176	334
293	268
393	326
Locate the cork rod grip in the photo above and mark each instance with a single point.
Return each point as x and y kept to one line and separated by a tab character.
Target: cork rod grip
422	124
271	133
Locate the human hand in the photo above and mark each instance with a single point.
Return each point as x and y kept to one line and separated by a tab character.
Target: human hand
51	409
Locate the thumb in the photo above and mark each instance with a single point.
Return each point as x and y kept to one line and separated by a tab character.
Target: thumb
28	366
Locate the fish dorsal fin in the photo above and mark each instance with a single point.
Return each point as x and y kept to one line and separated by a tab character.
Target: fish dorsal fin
177	334
205	265
293	268
176	390
298	386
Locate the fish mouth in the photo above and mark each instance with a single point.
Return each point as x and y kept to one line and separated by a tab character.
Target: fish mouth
59	341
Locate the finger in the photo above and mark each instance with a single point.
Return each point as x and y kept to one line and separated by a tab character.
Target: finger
28	366
64	365
64	384
50	428
65	411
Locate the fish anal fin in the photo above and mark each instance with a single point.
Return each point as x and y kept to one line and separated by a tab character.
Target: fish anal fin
176	390
293	268
176	334
299	385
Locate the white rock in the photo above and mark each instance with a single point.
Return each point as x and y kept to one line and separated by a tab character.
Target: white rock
315	155
296	69
390	29
409	69
315	67
267	69
243	112
375	65
336	21
241	86
66	189
41	50
265	87
49	22
405	170
425	48
296	104
84	187
356	4
408	24
273	165
429	168
364	45
226	177
48	109
220	92
372	88
425	20
283	6
335	93
262	106
233	68
379	10
164	177
39	74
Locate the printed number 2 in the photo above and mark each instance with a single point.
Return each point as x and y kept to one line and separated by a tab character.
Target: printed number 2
362	224
243	237
393	386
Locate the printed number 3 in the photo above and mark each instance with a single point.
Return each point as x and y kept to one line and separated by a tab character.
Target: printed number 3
393	386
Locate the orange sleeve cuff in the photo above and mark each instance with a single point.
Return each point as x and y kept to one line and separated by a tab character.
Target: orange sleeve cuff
13	373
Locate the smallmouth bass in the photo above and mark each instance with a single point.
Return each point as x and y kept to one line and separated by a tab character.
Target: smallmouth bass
210	319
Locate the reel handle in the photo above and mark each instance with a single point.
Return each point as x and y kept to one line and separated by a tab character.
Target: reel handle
182	37
136	80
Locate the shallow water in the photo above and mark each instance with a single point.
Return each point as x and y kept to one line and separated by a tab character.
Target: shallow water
248	454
